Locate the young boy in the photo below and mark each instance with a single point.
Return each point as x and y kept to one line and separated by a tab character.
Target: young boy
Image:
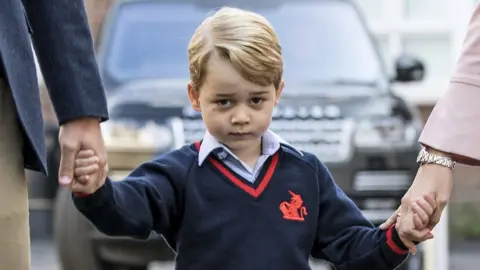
241	198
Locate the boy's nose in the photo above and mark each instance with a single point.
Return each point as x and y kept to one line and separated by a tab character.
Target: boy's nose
240	118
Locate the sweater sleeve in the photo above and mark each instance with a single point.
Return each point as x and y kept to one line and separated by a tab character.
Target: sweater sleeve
147	200
346	238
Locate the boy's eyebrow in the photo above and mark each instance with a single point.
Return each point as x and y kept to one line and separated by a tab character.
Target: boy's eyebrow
224	94
231	94
259	93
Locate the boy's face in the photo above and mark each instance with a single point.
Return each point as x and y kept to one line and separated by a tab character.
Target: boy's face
235	111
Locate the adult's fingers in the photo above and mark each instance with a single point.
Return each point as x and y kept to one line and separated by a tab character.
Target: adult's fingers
103	176
435	219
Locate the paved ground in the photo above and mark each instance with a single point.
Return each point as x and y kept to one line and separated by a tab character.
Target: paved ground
463	257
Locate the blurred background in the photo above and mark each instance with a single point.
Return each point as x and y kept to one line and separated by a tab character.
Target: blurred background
417	41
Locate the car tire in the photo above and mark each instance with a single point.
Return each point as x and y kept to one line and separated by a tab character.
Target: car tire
72	236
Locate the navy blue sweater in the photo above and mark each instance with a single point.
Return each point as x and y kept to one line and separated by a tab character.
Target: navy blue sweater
214	219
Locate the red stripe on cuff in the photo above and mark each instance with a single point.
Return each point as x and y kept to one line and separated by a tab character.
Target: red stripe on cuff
391	243
79	194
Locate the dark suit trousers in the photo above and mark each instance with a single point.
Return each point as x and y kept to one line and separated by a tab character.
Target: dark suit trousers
14	225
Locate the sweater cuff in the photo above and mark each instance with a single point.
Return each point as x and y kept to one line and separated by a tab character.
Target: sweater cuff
394	242
101	196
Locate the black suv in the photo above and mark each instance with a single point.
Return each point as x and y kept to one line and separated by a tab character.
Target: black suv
337	103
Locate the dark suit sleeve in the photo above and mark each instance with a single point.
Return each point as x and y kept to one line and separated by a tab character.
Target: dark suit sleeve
65	52
346	238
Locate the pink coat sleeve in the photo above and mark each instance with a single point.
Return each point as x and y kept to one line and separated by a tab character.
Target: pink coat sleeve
454	124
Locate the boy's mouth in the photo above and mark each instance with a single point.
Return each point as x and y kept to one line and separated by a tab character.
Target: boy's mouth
240	135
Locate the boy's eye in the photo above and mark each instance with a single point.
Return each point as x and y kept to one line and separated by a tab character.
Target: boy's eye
257	101
223	102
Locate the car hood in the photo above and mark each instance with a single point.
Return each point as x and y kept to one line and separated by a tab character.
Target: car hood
338	107
168	98
158	93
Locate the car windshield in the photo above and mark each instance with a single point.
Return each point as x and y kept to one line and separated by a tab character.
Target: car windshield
322	42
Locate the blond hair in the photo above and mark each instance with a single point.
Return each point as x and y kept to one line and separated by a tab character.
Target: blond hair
245	39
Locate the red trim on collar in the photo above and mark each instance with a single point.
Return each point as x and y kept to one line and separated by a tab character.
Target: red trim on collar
255	192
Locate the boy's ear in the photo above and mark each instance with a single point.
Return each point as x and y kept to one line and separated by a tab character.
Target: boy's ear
193	95
278	91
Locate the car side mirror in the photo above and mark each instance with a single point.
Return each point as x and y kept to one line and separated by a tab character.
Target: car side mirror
409	69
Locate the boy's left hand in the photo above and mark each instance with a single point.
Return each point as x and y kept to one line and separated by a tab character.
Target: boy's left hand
422	210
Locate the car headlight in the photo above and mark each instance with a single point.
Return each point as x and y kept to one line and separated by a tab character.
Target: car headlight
387	132
132	136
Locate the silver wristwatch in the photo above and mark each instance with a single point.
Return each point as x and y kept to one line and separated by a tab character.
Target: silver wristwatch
424	157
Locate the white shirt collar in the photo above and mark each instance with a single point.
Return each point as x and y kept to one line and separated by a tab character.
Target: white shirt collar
271	143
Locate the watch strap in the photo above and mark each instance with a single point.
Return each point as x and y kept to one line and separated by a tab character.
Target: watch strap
424	157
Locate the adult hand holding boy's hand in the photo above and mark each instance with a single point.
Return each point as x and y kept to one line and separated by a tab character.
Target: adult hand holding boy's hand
74	136
88	173
433	179
415	223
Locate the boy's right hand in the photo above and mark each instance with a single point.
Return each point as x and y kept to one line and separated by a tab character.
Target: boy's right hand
86	166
